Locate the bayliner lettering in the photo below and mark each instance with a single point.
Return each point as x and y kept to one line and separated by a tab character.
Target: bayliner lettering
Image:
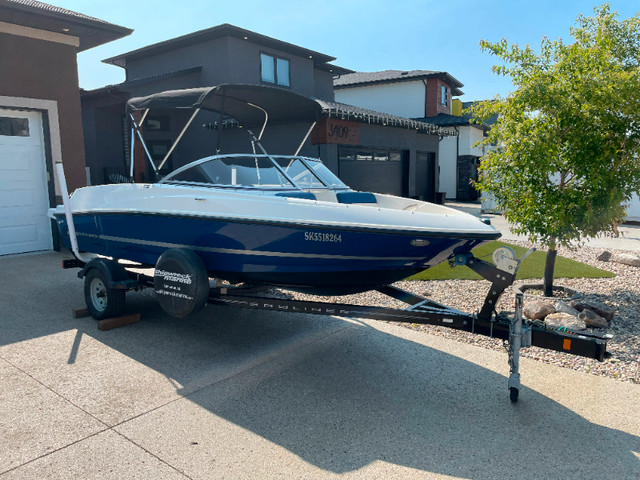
323	237
174	277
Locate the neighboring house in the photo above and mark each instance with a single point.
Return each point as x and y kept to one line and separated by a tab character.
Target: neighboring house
40	120
460	155
633	210
369	150
425	96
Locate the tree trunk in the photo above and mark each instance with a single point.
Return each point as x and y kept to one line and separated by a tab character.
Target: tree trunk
549	267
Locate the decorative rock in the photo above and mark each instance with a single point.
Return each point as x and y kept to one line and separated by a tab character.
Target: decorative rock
564	320
538	309
604	256
592	319
564	307
627	259
601	309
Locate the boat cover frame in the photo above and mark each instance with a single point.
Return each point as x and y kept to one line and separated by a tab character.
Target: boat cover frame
245	103
250	105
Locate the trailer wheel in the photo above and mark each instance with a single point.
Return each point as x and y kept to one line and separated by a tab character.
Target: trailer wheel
102	301
513	394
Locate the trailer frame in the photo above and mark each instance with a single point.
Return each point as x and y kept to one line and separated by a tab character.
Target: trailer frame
512	327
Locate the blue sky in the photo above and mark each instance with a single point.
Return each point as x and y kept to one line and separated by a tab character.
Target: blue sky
364	35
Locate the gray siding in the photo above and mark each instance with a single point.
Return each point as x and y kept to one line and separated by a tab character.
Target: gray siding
231	60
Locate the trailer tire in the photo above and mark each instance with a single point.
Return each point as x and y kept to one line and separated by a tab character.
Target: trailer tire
181	282
102	301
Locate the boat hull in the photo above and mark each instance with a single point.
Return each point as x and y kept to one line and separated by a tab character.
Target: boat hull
321	258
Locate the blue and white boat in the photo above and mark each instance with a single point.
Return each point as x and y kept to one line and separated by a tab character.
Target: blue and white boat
268	220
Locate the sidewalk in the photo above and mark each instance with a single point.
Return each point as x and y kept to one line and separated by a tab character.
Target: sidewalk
629	234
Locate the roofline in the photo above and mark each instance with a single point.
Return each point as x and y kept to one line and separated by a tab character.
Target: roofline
454	82
218	31
72	17
344	111
335	69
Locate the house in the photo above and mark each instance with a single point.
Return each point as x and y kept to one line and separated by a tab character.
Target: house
40	121
426	96
367	149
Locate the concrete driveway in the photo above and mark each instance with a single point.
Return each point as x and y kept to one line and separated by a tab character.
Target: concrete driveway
245	394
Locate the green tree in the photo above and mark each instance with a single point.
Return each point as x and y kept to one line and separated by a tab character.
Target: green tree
567	139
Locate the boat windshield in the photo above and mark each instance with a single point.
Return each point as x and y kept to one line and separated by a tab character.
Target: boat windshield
325	174
234	171
257	171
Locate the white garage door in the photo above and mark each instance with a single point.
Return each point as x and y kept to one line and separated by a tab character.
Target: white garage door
24	226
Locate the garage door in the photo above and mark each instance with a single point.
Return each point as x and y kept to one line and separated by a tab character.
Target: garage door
374	170
24	226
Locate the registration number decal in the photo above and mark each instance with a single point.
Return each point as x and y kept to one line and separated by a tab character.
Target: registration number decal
323	237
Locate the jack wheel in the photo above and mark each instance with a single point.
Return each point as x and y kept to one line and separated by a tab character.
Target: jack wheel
102	301
513	394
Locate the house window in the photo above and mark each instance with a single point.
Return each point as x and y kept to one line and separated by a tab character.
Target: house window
158	123
369	154
274	70
444	95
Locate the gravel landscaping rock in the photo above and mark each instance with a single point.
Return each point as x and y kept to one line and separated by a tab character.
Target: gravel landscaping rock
538	309
564	307
630	259
592	319
565	320
597	307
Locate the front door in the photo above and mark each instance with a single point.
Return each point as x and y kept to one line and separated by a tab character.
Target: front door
426	176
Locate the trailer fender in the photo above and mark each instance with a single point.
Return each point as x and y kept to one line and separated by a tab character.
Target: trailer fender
116	276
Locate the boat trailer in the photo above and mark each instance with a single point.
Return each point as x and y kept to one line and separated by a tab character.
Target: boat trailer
181	289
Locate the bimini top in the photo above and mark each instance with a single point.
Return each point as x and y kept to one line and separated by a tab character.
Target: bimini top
245	103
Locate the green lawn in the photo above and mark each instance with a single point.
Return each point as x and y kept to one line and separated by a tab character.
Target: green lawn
532	267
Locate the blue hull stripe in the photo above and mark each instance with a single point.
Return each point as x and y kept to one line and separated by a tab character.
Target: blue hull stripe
252	252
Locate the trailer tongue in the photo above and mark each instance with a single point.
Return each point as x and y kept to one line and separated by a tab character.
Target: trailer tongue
512	327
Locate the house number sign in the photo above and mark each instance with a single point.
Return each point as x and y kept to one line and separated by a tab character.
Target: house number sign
343	132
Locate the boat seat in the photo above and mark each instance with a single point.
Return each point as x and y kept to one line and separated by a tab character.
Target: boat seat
356	197
305	195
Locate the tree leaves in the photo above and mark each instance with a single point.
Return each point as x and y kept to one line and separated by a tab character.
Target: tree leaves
566	144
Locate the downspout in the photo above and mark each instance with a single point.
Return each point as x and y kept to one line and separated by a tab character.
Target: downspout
425	97
457	155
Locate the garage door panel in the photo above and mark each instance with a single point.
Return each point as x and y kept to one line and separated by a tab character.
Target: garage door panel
15	160
16	234
23	233
23	198
379	177
20	163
